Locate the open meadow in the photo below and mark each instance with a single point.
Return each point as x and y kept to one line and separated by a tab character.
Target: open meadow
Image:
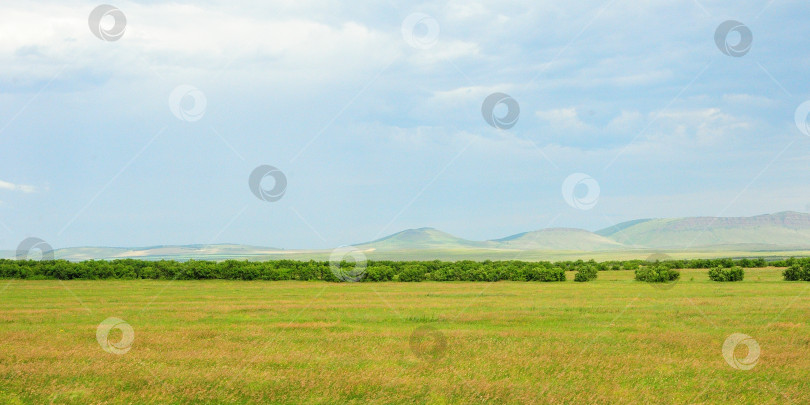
606	341
398	202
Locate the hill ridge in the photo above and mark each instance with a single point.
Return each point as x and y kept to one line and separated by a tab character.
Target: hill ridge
781	231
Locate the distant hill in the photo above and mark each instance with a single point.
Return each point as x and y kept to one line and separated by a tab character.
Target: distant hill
781	234
558	239
169	252
620	227
784	230
422	238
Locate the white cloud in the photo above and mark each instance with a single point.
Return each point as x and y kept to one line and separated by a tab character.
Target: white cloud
626	121
748	99
564	118
685	127
445	50
588	81
4	185
475	94
702	127
174	39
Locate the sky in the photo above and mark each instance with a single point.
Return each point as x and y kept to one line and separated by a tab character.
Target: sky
140	124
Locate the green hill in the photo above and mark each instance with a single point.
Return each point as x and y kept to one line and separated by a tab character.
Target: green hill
620	227
784	230
169	252
422	238
558	239
781	234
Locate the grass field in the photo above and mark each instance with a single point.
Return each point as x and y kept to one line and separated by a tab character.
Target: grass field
613	340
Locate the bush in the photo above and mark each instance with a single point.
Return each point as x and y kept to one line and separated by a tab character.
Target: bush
545	274
657	273
631	265
412	272
586	274
735	273
799	270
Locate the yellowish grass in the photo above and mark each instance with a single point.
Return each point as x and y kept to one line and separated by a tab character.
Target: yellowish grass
609	341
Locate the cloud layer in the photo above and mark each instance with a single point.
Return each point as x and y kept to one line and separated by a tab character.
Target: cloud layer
375	134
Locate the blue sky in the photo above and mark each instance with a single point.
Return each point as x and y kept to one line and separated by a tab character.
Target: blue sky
375	135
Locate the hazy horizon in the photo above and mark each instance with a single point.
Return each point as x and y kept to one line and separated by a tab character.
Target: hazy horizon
421	228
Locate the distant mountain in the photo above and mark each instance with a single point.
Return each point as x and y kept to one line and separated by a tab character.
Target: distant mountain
784	230
781	234
422	238
169	252
620	227
558	239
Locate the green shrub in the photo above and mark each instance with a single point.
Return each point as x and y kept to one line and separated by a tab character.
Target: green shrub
735	273
585	274
799	270
413	272
545	274
379	272
657	273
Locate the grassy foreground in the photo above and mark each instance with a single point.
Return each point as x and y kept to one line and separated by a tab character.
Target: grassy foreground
612	340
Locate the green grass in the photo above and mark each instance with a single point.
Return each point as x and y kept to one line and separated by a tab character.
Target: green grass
607	341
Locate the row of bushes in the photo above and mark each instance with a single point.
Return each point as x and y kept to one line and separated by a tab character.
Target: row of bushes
664	272
283	270
674	264
409	271
797	270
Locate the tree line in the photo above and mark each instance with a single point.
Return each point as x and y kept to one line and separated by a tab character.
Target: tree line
373	270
